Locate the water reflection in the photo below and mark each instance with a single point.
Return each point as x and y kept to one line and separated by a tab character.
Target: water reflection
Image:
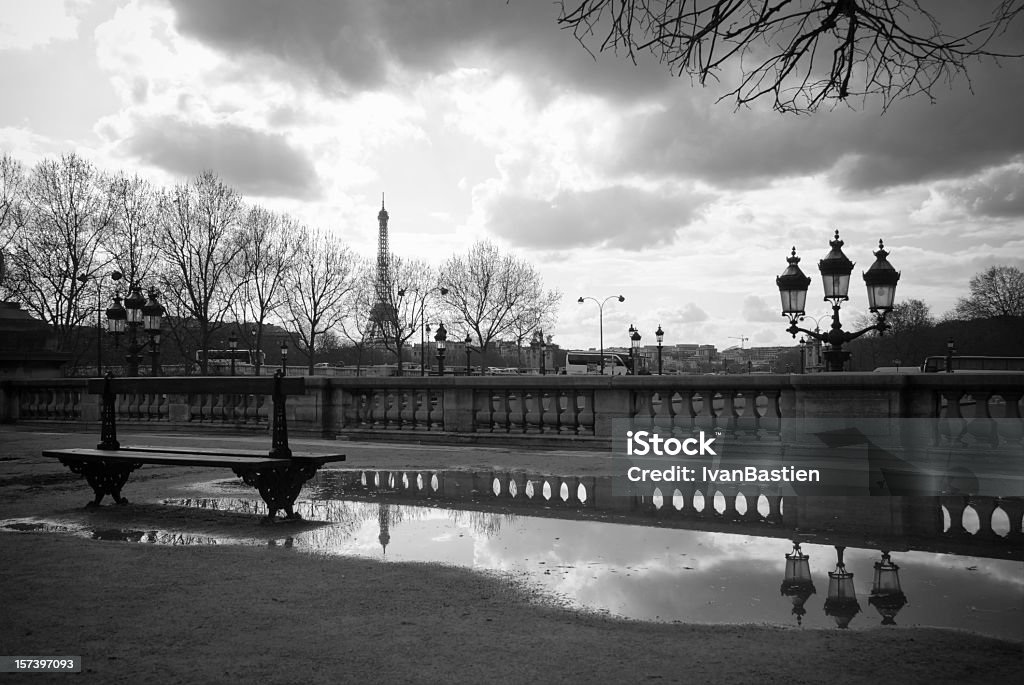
647	572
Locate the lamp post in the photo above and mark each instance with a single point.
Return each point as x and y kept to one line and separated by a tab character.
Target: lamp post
440	338
284	357
83	279
255	352
152	322
468	341
600	309
660	335
137	313
233	344
634	348
835	270
950	351
543	353
424	328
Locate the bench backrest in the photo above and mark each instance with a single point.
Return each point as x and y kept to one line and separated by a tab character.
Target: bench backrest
232	385
277	385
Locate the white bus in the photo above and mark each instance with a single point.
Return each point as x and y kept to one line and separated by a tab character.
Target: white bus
578	363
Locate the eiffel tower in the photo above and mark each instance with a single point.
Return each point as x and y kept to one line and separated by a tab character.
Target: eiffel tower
383	317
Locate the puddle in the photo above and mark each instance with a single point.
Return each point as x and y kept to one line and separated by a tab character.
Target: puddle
643	570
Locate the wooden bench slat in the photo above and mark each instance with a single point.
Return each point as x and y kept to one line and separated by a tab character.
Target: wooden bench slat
228	452
169	458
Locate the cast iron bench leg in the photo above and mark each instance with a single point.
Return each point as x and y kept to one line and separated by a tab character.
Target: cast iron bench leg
103	477
279	487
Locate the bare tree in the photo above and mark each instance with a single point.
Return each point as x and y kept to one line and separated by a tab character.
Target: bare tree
489	291
132	243
319	287
12	181
906	316
534	314
266	253
997	291
55	242
801	53
197	236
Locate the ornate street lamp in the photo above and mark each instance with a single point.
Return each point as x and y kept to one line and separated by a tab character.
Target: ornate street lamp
841	603
468	341
886	594
543	352
136	313
634	348
284	357
660	335
600	309
117	318
950	351
233	344
152	323
256	362
797	583
424	328
835	270
440	338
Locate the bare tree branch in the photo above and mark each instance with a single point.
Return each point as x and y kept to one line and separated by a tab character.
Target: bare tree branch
801	53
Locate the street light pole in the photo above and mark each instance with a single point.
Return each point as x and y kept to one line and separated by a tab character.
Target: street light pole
137	313
835	268
440	338
233	344
660	335
424	328
284	357
468	341
600	310
634	348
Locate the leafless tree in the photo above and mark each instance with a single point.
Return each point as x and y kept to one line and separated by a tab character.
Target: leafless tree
197	235
132	241
997	291
266	253
318	288
801	53
535	314
55	240
12	181
489	291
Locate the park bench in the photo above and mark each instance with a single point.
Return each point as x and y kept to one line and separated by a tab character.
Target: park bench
278	474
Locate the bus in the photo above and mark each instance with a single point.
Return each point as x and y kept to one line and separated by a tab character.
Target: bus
224	357
578	363
969	364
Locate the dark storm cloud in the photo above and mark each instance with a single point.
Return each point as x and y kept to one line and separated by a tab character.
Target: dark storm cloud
860	150
356	42
253	162
627	218
684	133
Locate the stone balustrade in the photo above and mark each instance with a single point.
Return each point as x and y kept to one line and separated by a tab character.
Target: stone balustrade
562	408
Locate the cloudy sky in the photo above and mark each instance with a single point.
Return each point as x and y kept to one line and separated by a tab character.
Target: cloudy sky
482	119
